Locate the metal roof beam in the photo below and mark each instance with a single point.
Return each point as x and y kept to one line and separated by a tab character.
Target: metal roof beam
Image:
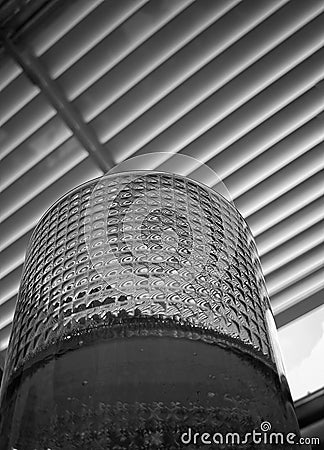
36	72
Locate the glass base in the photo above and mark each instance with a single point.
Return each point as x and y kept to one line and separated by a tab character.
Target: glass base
143	392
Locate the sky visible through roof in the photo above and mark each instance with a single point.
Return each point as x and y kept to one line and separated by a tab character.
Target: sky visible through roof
302	344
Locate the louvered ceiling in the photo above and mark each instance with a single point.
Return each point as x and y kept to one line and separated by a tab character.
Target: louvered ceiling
235	84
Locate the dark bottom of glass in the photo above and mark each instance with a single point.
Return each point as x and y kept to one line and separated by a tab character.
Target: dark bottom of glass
144	392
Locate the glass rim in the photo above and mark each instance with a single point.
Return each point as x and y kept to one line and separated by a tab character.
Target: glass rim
116	174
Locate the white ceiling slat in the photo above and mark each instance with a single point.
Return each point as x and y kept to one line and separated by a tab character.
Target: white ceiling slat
299	291
287	204
189	61
4	337
27	217
290	227
281	182
309	104
294	248
39	113
12	287
249	149
295	271
9	284
19	89
4	326
7	312
87	34
118	45
46	146
23	124
177	104
181	118
157	54
31	151
41	176
58	26
276	157
144	102
14	255
9	70
15	96
7	308
62	49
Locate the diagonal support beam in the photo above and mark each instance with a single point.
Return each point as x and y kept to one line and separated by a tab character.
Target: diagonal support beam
36	72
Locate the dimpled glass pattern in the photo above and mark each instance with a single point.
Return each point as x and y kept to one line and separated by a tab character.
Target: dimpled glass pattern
139	244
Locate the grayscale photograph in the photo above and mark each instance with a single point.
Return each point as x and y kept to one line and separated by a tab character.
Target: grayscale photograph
162	224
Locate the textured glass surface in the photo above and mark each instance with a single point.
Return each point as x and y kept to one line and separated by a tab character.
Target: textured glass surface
156	244
126	280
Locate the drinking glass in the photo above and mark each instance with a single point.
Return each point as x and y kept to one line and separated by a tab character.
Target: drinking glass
142	321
